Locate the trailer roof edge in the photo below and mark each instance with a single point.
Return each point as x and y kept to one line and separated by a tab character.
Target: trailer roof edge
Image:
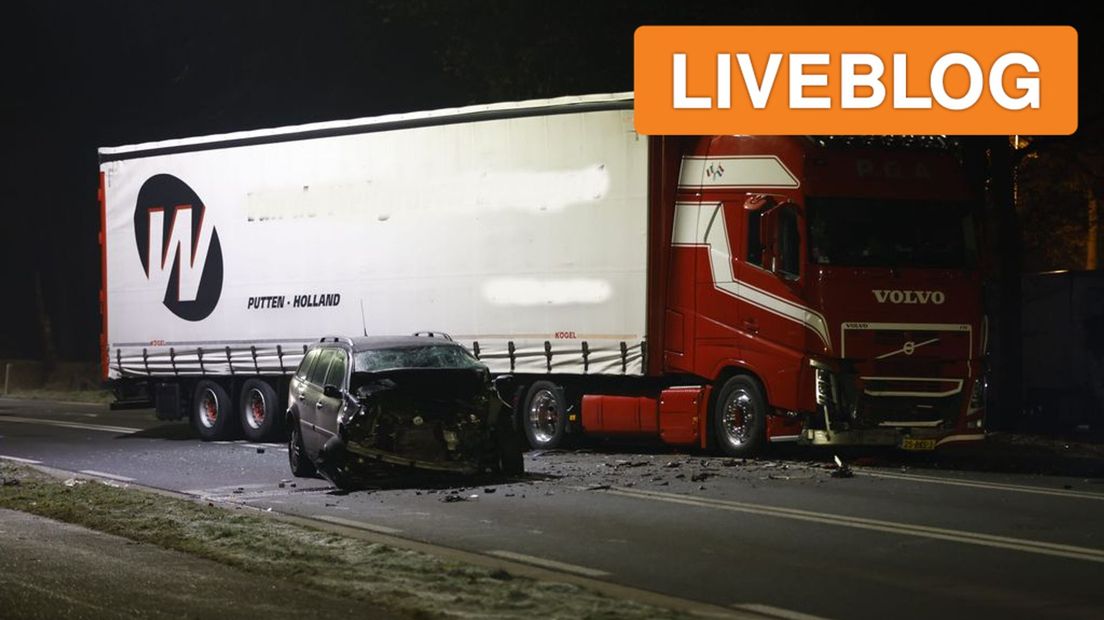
445	116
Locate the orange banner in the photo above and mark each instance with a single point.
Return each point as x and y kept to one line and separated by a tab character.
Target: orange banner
967	80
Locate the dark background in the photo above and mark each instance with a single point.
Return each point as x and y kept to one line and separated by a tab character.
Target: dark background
80	75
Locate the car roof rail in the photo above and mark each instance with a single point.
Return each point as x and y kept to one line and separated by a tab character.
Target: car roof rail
434	335
348	341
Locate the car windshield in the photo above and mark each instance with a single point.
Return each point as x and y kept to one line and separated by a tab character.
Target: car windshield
890	233
432	356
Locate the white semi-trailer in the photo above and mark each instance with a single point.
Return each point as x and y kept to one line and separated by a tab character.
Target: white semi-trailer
520	229
736	289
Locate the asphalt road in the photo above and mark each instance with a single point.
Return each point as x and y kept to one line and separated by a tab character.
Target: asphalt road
779	535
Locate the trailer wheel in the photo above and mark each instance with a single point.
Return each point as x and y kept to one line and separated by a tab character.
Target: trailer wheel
301	465
213	412
740	417
259	403
544	416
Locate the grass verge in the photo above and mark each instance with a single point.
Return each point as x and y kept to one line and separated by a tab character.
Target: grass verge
409	582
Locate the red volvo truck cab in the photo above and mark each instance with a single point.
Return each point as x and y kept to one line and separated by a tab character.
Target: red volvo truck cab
828	288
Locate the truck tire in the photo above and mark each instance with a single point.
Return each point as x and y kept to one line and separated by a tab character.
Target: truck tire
298	459
740	417
259	405
544	416
213	415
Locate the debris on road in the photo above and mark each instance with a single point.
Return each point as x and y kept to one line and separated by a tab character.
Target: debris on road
598	487
842	469
700	476
260	450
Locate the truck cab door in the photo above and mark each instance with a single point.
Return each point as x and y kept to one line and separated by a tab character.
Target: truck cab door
770	275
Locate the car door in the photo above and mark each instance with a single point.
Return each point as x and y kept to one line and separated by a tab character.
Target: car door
297	392
329	407
311	401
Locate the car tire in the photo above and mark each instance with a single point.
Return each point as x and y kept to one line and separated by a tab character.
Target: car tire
740	417
544	416
298	459
259	406
213	416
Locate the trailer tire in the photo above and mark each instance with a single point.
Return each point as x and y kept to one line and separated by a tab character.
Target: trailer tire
213	416
298	459
259	405
544	417
740	417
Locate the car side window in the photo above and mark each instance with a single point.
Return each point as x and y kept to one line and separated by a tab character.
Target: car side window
336	374
317	372
308	360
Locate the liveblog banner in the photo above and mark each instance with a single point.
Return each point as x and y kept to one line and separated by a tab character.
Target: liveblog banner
857	80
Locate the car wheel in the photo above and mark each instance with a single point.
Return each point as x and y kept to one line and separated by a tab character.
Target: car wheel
544	416
213	412
301	465
259	404
740	417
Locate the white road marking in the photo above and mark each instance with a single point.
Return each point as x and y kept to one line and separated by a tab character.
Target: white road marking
20	460
981	484
775	612
552	564
906	529
64	424
360	525
101	474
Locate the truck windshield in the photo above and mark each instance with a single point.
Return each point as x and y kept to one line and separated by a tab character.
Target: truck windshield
890	233
414	357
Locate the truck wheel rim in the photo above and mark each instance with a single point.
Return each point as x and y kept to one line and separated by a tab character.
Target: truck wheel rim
208	409
255	414
544	416
737	417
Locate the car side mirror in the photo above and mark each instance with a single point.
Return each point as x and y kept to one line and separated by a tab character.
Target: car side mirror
331	391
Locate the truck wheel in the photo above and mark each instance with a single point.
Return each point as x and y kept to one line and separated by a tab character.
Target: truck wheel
740	417
213	412
259	419
301	465
544	416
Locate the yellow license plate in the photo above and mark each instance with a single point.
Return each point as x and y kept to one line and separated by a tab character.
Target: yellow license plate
911	443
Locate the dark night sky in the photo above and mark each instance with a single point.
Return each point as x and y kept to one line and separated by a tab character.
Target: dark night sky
79	75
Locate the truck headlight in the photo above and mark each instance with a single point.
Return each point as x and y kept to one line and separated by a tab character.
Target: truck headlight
977	395
823	387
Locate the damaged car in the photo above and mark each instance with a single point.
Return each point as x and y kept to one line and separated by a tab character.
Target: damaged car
416	401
